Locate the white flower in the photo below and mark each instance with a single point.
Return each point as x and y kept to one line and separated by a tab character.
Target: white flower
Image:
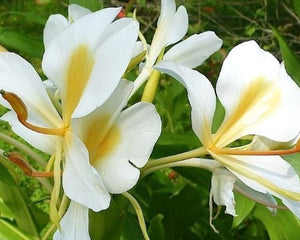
118	144
85	64
172	25
259	98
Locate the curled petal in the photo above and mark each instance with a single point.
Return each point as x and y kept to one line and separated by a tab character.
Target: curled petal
222	188
201	97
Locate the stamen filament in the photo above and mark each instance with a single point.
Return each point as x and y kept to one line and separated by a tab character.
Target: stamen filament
18	159
230	151
22	113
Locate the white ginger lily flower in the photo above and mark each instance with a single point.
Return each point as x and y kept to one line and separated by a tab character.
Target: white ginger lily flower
172	25
259	98
85	63
118	143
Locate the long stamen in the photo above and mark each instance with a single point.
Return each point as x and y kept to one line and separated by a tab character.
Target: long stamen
18	159
21	110
230	151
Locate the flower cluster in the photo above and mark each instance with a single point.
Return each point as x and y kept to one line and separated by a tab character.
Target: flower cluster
97	142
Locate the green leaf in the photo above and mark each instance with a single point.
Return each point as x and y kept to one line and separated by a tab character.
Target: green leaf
291	61
16	202
156	229
10	232
20	42
93	5
243	207
297	7
282	225
108	224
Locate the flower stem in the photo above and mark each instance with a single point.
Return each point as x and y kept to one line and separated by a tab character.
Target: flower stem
207	164
23	148
175	158
139	213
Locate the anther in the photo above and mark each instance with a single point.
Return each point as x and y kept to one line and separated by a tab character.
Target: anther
19	160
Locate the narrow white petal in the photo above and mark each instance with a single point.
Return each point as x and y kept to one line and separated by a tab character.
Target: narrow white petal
171	27
201	97
222	187
76	12
179	26
74	224
193	51
19	77
81	182
54	26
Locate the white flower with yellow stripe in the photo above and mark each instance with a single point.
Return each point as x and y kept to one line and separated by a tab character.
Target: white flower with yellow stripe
259	99
86	61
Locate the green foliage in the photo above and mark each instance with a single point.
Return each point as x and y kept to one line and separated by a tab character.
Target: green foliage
93	5
21	42
291	61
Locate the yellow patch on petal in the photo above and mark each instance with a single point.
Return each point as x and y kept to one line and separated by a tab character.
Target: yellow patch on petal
101	139
258	100
78	73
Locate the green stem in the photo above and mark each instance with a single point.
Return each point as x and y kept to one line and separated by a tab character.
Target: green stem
207	164
175	158
23	148
151	87
139	213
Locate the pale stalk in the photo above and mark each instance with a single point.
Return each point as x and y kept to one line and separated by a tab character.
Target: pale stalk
139	213
151	87
175	158
61	211
36	157
46	184
198	163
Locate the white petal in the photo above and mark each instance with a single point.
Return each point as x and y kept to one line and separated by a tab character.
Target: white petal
54	26
193	51
19	77
201	97
266	174
93	128
74	224
179	26
138	49
257	95
76	12
43	142
222	185
81	182
138	129
109	65
171	27
84	58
